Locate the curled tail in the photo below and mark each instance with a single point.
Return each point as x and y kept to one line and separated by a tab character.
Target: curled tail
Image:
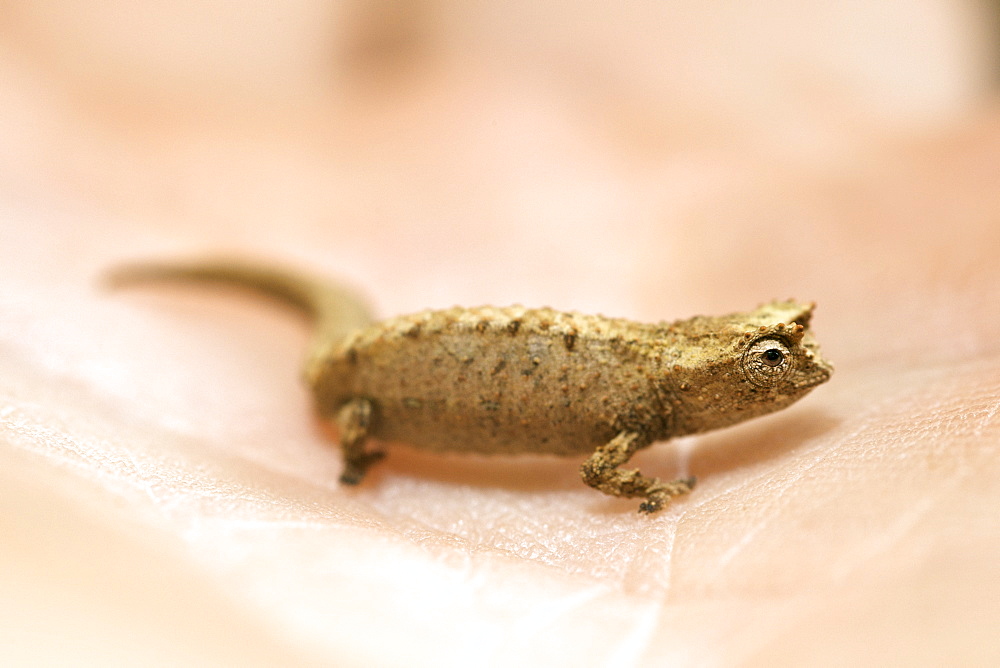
334	311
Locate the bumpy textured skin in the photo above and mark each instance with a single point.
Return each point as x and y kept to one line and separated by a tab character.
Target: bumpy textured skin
516	380
501	380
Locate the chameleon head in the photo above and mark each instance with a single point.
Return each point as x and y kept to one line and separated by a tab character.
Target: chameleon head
743	365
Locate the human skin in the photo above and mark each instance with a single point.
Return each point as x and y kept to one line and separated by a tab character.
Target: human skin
858	524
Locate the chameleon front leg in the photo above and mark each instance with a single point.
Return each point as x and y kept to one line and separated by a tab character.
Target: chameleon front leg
354	421
601	472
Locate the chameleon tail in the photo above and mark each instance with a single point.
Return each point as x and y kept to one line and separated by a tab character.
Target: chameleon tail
334	311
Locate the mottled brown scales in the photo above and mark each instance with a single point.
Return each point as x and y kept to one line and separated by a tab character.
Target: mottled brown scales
517	380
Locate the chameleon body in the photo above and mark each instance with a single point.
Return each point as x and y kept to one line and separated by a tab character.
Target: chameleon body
517	380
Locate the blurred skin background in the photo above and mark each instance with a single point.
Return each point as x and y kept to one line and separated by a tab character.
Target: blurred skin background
165	497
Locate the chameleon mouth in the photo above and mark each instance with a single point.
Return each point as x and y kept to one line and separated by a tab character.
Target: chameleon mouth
822	372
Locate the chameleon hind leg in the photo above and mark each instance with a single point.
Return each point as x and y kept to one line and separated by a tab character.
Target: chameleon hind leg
354	421
601	472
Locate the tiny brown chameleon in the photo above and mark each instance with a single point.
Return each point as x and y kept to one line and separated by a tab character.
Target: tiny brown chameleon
518	380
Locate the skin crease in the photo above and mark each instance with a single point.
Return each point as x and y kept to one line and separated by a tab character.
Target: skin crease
516	380
163	499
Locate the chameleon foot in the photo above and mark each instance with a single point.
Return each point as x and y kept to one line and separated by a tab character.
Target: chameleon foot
658	495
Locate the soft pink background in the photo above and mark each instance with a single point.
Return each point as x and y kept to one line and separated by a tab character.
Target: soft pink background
166	498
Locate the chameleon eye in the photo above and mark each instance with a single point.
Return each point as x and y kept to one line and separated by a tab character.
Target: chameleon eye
766	362
772	357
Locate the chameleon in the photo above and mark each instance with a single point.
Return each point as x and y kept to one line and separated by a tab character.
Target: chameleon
519	380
